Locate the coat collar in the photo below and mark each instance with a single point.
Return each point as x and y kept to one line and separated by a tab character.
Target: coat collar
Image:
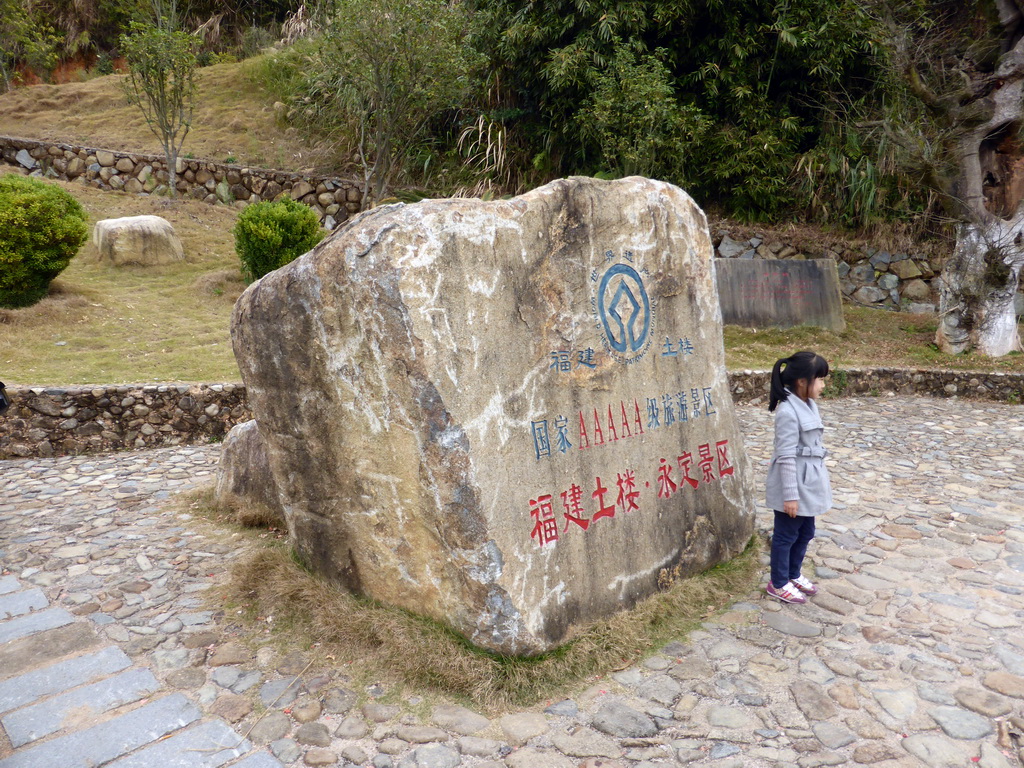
806	413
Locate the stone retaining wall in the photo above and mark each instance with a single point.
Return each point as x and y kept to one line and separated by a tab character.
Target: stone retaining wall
45	421
752	386
333	199
868	276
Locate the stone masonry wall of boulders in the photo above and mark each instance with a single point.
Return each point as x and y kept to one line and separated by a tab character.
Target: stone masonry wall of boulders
868	276
752	386
333	199
45	421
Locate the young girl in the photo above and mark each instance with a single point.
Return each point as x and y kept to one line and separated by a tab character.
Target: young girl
798	487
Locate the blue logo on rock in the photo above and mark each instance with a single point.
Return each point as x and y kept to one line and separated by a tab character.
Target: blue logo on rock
624	311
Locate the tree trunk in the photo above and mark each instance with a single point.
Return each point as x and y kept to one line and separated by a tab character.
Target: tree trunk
172	169
977	286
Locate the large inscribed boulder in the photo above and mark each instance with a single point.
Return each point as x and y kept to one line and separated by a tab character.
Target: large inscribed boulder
141	240
511	416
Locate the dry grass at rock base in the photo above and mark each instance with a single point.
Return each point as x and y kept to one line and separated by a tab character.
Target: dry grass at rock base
421	654
235	510
237	515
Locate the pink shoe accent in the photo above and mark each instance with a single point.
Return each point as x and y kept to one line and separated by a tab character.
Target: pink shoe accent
787	594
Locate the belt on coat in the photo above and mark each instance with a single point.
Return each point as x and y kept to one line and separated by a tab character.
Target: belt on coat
804	450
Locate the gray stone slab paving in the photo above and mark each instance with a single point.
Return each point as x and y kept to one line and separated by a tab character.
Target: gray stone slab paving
26	688
20	603
109	740
207	745
82	704
22	626
26	653
912	662
258	760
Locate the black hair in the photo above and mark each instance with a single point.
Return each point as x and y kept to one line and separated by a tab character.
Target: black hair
802	365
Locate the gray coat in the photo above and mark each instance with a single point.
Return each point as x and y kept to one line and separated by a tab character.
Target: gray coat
797	469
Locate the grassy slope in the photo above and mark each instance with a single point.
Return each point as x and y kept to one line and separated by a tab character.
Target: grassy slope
171	323
230	120
130	324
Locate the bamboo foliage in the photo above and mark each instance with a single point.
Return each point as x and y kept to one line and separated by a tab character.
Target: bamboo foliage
736	86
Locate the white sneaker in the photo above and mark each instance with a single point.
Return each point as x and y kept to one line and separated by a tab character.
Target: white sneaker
787	594
805	585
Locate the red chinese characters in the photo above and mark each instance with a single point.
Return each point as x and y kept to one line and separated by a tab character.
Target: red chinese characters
666	485
685	461
572	501
545	530
623	496
708	462
628	494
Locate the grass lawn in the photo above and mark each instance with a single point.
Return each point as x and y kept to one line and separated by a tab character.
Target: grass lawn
874	338
107	325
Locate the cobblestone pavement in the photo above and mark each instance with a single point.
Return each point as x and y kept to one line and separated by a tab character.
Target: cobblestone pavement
912	653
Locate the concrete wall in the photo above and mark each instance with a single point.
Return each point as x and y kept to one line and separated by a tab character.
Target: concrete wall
757	293
868	276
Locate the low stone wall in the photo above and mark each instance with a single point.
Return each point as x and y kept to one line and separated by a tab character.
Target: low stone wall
333	199
752	386
46	421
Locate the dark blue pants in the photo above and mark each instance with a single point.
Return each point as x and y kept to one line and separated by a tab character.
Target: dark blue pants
789	545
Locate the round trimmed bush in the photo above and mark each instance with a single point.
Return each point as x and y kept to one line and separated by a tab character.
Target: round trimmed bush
269	235
41	229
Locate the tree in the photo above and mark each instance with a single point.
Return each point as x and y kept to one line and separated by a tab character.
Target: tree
162	62
957	109
747	78
385	70
634	118
24	39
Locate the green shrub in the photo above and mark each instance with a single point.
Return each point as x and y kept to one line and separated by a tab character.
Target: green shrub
104	64
269	235
255	40
41	229
281	75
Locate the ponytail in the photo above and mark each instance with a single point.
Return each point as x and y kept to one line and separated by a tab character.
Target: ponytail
802	365
778	392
